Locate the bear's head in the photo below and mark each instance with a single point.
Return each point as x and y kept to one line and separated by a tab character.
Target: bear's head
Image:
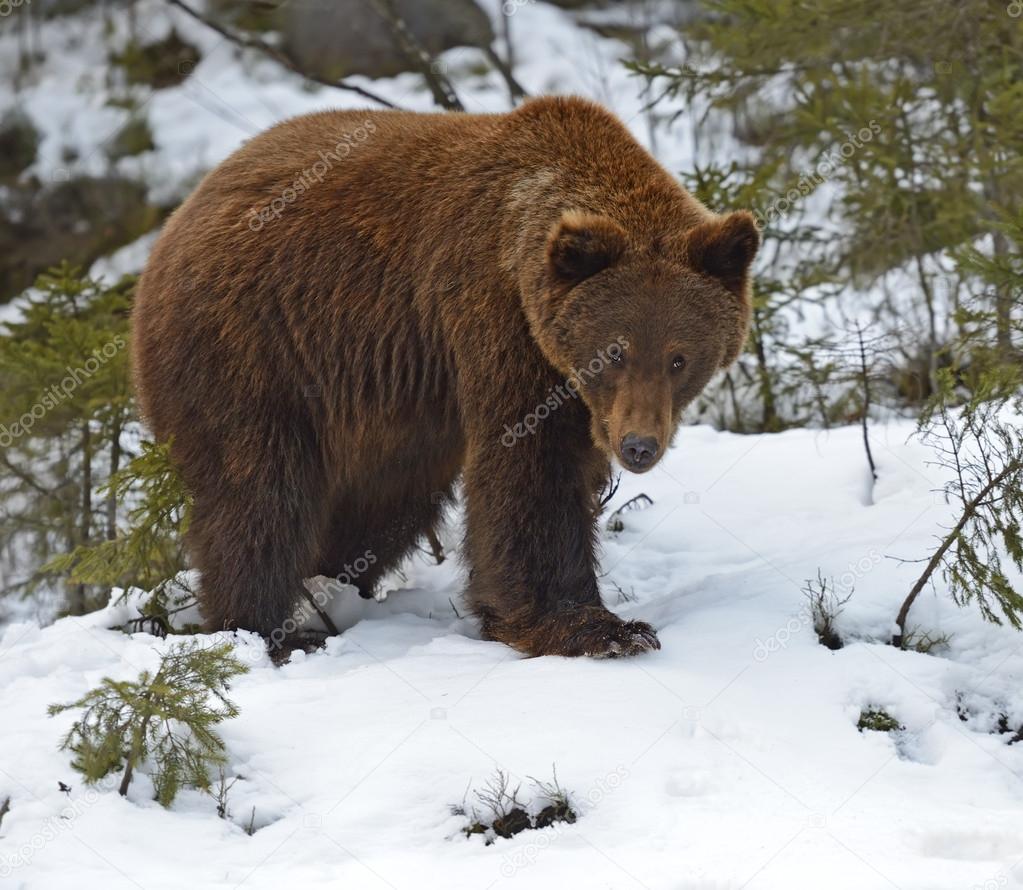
640	330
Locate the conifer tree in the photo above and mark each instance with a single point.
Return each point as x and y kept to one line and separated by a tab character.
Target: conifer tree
166	720
65	403
148	551
983	453
910	125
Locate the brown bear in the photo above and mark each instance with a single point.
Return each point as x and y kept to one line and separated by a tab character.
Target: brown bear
356	308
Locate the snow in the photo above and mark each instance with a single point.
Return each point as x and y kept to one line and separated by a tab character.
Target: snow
729	759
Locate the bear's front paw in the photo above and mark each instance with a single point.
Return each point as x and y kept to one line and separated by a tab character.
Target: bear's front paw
590	631
613	639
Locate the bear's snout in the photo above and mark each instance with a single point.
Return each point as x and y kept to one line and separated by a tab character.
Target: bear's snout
639	452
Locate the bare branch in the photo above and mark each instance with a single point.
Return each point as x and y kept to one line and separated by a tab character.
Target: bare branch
443	92
279	56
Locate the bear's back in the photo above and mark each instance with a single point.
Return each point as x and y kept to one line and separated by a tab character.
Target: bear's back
331	230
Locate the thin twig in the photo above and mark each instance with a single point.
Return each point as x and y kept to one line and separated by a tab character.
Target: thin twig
866	400
328	622
515	89
278	55
611	489
435	545
443	92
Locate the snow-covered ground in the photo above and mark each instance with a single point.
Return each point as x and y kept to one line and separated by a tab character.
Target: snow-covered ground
729	759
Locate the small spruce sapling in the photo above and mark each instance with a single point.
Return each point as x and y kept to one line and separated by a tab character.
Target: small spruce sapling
166	719
985	457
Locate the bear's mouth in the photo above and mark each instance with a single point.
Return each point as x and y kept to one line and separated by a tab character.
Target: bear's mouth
636	471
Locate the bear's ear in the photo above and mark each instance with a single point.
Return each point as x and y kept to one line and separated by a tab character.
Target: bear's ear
582	244
725	248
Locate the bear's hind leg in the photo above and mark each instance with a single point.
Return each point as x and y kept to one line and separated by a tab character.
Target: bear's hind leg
254	543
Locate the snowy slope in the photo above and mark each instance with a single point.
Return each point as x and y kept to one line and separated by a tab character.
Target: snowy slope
728	759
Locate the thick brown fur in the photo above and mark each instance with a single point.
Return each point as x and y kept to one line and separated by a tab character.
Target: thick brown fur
326	373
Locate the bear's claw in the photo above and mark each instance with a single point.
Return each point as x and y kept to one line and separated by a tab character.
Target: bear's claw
629	638
587	631
609	637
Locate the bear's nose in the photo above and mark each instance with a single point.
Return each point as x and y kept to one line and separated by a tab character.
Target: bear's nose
638	452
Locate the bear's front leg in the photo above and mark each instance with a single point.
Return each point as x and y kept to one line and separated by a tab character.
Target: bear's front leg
531	528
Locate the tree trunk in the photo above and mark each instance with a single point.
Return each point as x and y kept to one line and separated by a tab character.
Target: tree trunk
133	755
115	463
769	417
78	599
1003	303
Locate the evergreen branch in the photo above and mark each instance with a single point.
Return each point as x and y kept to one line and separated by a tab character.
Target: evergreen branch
166	719
969	511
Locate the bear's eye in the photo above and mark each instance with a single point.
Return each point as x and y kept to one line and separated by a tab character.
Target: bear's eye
617	358
678	363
